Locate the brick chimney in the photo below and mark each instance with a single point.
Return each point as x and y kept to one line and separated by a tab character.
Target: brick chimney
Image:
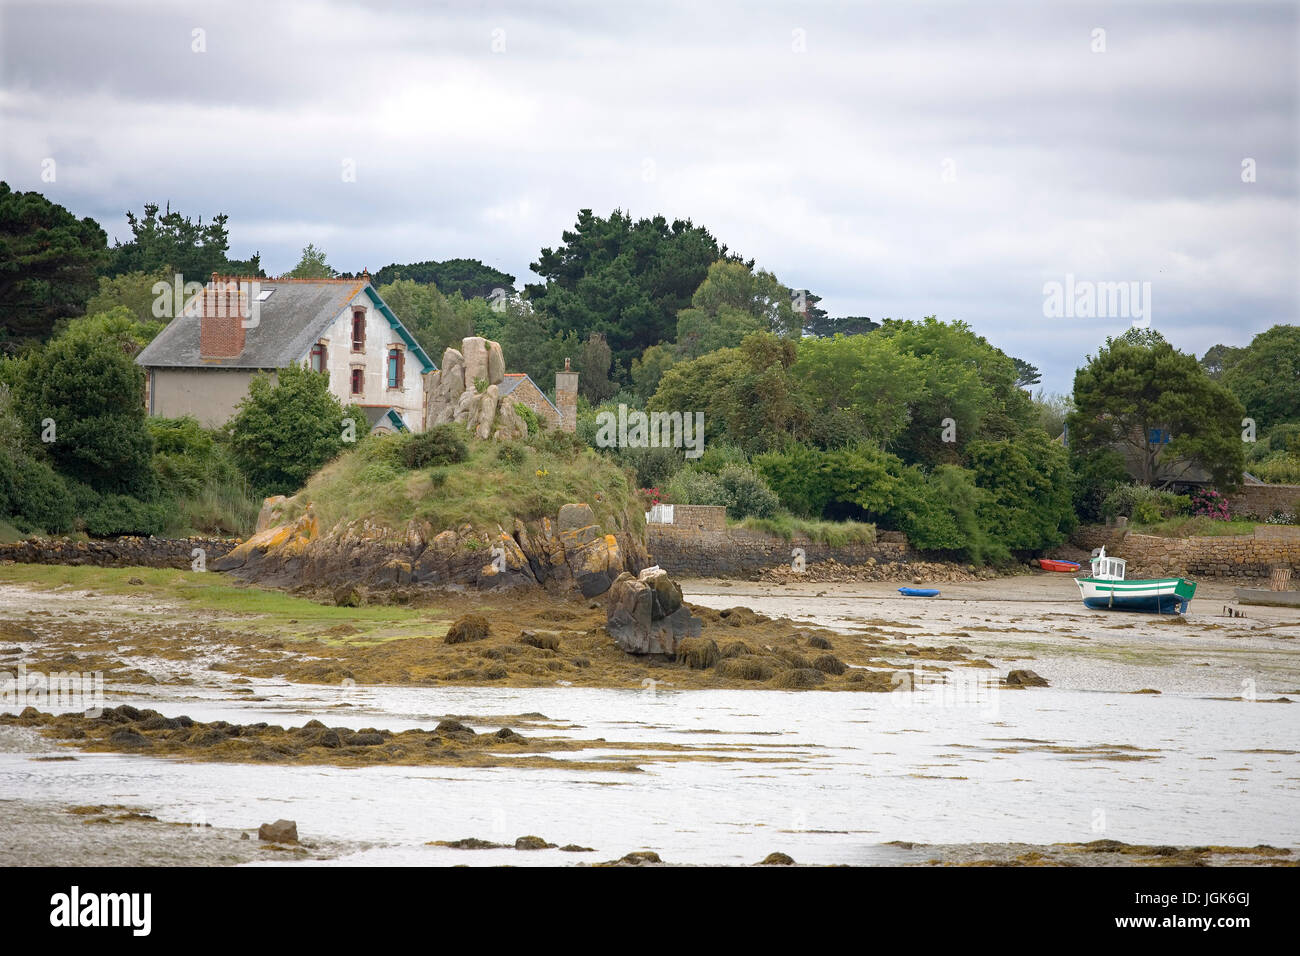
221	323
566	397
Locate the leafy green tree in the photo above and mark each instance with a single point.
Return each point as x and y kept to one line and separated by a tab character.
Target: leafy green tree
172	243
593	366
1138	390
530	344
440	321
964	379
134	291
823	326
1026	374
650	368
1028	483
1219	358
312	265
817	483
48	264
1052	411
282	433
861	388
730	303
84	391
1265	376
470	277
1096	474
118	325
747	394
624	278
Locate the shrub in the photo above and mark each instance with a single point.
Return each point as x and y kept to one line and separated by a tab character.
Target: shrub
34	496
440	445
748	494
554	441
122	514
1211	504
530	418
1144	505
1096	475
510	453
93	393
692	487
283	432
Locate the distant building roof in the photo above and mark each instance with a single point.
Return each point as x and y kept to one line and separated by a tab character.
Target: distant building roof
512	380
290	321
387	414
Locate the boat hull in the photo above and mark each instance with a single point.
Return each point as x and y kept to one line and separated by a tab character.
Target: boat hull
1068	567
1156	596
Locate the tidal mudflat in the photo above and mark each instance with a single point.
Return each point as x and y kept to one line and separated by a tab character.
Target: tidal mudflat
947	766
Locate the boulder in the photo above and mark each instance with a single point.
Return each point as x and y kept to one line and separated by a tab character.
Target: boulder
1025	678
485	413
496	364
270	508
510	424
575	516
281	831
475	349
634	619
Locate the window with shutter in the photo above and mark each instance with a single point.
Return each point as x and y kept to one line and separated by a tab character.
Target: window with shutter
359	330
396	367
358	381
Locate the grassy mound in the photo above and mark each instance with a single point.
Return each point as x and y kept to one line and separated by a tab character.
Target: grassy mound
496	483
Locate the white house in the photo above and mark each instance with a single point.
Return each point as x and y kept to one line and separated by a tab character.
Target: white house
201	364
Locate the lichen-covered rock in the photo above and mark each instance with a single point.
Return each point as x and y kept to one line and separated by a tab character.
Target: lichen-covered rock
1025	678
370	556
632	618
271	507
574	517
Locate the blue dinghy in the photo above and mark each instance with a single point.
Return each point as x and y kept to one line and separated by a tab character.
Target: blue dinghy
919	592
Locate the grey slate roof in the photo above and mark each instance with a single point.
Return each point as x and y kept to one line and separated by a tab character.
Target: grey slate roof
291	320
513	379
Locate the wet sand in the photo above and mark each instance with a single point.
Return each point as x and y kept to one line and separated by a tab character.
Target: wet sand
655	758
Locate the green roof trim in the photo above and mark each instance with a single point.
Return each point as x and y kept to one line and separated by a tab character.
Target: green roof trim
400	329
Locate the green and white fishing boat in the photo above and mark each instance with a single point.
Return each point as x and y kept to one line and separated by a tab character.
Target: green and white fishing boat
1107	589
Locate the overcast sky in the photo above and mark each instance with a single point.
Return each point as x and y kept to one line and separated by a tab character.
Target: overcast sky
899	160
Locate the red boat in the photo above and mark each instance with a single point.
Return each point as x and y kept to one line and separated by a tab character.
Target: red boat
1048	564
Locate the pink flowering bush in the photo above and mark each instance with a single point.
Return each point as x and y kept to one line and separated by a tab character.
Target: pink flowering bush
1211	504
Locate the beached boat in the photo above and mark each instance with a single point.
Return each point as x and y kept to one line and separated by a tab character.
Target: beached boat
1107	589
919	592
1051	564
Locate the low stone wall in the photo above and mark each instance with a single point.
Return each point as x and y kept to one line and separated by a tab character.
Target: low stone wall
1264	500
118	552
700	517
737	552
1226	556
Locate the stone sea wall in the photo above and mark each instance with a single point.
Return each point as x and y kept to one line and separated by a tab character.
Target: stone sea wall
1226	556
690	551
1265	500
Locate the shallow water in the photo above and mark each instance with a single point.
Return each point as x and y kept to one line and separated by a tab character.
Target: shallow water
852	771
825	777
